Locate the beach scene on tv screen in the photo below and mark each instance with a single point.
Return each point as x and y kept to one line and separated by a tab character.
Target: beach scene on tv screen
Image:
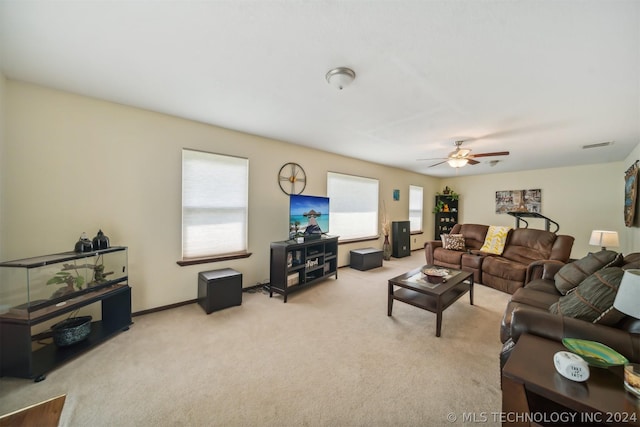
304	209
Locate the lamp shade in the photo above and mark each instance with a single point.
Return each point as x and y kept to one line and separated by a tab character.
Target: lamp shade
457	162
628	297
604	238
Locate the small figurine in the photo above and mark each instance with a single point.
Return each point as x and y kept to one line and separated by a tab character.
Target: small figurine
445	208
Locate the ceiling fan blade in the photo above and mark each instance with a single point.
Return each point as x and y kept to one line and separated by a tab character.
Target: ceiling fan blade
497	153
433	158
439	163
470	161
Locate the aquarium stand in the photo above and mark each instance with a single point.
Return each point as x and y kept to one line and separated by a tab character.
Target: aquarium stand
27	353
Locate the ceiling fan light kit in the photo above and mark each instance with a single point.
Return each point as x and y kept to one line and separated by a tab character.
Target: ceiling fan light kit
340	77
457	162
462	156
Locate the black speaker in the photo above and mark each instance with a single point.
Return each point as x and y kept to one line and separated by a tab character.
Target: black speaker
400	239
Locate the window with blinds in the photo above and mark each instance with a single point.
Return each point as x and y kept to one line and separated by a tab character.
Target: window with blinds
353	207
415	208
215	194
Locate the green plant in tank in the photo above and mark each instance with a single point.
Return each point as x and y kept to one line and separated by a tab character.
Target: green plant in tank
64	277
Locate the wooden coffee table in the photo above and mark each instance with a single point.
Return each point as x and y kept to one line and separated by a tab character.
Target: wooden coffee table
415	290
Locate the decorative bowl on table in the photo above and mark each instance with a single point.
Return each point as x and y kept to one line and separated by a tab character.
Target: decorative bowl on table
595	353
435	275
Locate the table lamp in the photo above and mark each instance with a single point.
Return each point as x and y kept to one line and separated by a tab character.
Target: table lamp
628	297
604	238
628	302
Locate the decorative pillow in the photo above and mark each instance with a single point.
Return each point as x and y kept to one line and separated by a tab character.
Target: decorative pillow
592	300
570	275
454	242
495	240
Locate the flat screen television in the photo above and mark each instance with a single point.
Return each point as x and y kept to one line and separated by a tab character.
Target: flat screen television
308	215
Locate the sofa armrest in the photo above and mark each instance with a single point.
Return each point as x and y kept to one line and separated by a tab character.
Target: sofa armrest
429	247
542	269
555	327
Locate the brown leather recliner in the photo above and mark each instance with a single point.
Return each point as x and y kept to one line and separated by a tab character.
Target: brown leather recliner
524	246
528	312
467	260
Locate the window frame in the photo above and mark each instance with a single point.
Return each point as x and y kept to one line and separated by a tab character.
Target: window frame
242	246
372	234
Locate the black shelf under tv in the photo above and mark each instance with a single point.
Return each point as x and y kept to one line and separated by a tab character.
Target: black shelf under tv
294	265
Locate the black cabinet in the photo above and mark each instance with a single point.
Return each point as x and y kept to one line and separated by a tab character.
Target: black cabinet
400	239
447	216
296	265
30	298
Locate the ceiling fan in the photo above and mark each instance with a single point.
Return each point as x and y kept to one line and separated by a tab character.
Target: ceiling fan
462	156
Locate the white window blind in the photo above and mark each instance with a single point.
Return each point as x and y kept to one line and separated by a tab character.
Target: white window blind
215	192
353	209
415	208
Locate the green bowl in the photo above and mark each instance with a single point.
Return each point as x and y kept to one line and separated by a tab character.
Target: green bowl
594	353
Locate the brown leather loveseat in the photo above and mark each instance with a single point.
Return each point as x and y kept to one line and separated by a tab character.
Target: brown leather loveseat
506	272
529	312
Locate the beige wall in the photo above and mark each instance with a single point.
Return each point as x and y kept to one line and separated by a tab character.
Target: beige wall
75	164
71	164
579	199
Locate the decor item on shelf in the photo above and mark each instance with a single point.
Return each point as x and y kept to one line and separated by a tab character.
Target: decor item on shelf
604	238
386	229
100	241
83	244
438	207
452	195
340	77
630	193
71	331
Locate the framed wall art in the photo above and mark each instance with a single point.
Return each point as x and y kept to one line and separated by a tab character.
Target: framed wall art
518	201
630	193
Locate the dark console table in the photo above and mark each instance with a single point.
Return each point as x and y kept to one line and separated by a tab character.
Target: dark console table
534	394
296	265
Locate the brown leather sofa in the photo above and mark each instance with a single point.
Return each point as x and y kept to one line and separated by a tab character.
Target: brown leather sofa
528	312
468	260
506	272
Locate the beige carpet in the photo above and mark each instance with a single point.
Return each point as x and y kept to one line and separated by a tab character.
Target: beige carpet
330	356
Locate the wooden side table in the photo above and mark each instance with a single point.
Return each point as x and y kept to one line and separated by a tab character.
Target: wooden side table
534	394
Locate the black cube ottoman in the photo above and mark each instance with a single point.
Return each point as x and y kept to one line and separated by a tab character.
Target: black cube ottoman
366	258
218	289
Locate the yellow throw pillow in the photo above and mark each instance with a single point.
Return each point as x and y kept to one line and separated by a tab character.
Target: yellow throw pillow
495	240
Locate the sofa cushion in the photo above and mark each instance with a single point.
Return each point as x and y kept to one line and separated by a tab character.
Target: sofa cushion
592	298
454	242
447	257
572	274
534	298
495	239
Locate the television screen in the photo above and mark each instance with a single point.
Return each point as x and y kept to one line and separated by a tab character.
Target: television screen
308	215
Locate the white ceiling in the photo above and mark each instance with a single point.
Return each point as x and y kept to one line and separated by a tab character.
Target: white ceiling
539	78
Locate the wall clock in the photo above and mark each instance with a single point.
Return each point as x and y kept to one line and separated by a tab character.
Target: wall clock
292	178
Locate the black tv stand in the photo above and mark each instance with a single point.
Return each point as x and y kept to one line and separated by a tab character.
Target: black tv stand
297	265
